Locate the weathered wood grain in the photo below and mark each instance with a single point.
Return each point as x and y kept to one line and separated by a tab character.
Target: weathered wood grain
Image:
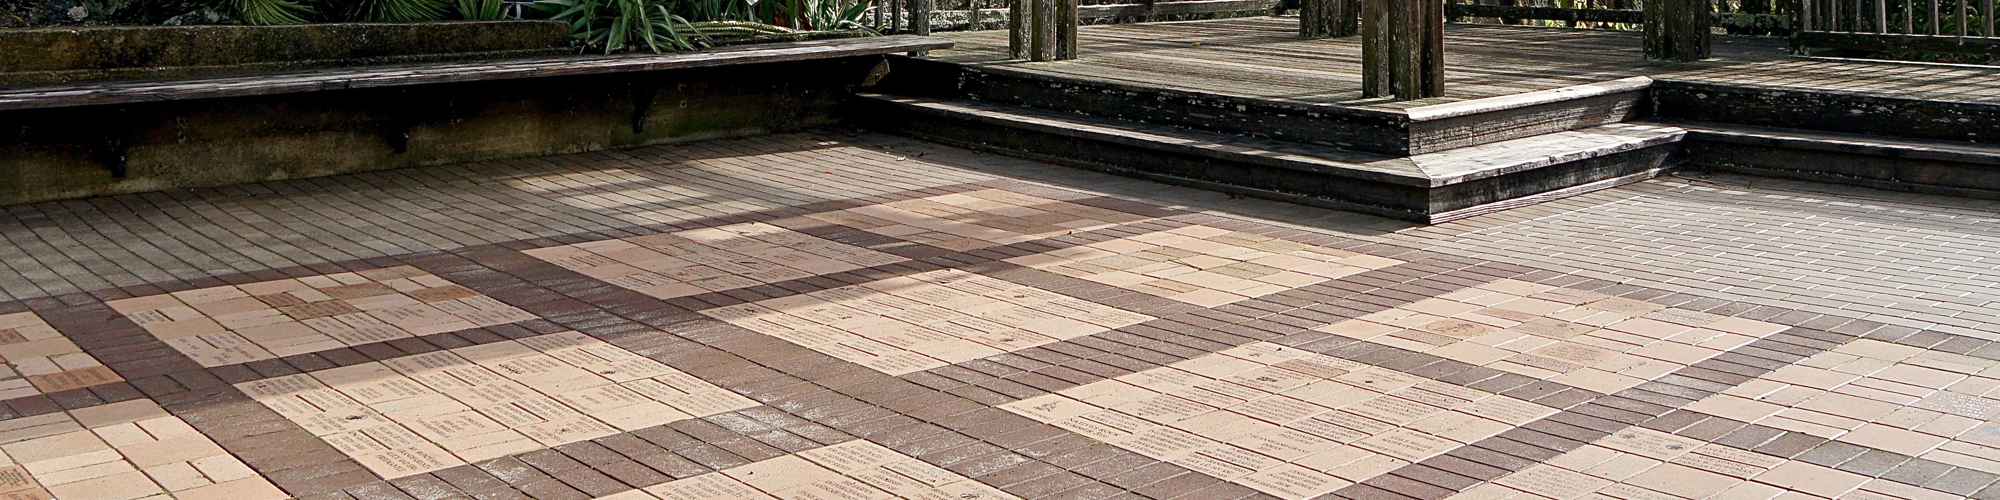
1677	30
1329	18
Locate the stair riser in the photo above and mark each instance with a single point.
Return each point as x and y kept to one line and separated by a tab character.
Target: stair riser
1401	201
1556	181
1386	133
1432	136
1909	118
1919	175
1361	129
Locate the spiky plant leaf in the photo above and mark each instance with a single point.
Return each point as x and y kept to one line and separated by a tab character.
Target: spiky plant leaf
481	10
269	12
394	11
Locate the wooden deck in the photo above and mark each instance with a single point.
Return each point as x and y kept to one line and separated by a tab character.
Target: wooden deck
1263	58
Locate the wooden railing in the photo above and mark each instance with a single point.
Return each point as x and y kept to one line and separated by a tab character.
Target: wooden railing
897	16
1933	26
1736	17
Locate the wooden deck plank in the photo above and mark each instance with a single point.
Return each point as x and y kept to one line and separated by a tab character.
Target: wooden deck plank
1262	58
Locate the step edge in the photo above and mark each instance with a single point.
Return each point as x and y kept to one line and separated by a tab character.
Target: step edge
1081	129
1840	142
1482	105
1302	107
1371	171
1664	135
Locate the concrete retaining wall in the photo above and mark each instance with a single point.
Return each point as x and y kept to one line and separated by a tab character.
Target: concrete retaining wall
74	152
61	55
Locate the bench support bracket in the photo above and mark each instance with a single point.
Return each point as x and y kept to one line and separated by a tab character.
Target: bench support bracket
117	143
643	93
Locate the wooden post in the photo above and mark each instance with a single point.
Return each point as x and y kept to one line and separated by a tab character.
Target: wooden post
1329	18
1017	28
1433	49
920	16
1066	22
1042	31
895	16
1375	48
1402	48
1677	30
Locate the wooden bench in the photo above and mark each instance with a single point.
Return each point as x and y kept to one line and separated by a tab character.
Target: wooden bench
99	94
225	129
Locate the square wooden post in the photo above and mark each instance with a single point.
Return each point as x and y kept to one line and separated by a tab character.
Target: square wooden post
1402	48
1329	18
1066	22
1042	30
1017	28
1677	30
920	16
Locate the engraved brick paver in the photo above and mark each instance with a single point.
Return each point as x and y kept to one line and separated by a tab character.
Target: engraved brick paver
233	324
423	413
40	360
841	315
1581	338
1288	422
120	451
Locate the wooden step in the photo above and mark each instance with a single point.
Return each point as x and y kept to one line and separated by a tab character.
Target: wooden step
1430	188
1917	165
1759	104
1360	126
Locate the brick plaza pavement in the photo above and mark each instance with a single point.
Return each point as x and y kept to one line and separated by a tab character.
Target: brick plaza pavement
844	315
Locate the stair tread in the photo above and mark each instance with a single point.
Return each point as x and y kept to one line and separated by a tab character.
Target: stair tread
1967	152
1427	170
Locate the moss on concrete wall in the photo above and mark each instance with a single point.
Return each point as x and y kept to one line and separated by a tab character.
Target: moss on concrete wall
58	55
70	153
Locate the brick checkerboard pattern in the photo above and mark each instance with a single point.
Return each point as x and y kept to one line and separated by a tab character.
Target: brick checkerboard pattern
841	315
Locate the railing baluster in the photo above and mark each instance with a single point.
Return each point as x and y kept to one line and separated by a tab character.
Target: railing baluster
1962	19
1909	17
1881	16
1806	15
1937	20
1986	13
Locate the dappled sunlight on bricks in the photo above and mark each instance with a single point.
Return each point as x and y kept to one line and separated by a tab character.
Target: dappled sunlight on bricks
233	324
427	412
1284	421
1585	339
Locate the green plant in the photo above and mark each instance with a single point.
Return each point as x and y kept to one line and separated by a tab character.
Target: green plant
394	11
716	10
267	12
481	10
615	25
812	14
